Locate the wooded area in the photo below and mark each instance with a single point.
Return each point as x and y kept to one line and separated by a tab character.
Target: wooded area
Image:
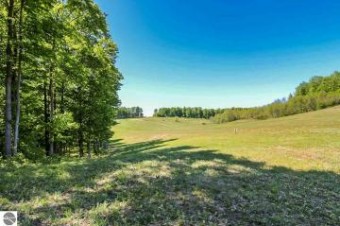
320	92
58	75
133	112
186	112
59	82
60	101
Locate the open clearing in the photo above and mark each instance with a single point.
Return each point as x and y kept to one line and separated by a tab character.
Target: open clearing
162	171
302	142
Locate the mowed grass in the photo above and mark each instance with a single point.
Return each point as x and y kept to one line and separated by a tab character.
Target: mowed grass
302	142
189	172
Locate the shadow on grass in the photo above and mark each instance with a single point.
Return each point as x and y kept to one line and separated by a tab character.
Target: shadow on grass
150	183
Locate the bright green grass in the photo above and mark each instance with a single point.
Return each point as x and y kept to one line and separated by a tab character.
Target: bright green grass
190	172
302	142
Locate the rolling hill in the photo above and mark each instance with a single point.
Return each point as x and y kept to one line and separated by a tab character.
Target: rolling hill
308	141
163	171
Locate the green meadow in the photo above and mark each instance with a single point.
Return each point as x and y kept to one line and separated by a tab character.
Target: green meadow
300	142
76	149
174	171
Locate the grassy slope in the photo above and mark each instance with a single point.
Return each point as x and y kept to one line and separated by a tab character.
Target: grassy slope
301	142
190	172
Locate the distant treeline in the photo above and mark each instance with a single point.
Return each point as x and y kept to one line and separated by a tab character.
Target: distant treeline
186	112
133	112
320	92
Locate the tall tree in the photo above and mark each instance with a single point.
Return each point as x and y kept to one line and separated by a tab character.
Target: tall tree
19	75
9	77
60	80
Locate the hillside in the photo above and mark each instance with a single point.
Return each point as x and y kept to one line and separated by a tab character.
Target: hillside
189	172
301	142
231	141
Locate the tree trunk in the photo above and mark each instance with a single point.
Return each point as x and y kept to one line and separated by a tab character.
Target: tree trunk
97	146
51	118
68	149
81	143
89	149
8	80
55	144
62	104
19	57
52	104
8	118
46	117
80	121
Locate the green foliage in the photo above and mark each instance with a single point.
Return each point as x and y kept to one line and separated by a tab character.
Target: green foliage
186	112
69	79
281	171
133	112
318	93
63	125
319	84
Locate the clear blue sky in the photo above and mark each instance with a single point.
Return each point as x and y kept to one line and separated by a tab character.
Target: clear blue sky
221	53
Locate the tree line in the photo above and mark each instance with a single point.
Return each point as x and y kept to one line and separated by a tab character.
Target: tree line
318	93
58	75
132	112
186	112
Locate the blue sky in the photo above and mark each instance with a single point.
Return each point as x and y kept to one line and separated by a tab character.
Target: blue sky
220	53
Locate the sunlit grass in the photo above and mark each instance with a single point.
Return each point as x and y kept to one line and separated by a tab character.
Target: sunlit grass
301	142
189	172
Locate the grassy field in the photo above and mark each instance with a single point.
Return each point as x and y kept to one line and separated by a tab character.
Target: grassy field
302	142
190	172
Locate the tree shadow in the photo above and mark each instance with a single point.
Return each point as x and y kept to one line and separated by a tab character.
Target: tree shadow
151	183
